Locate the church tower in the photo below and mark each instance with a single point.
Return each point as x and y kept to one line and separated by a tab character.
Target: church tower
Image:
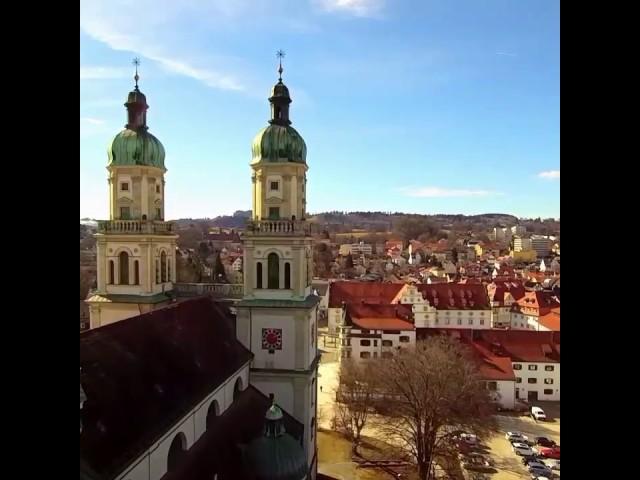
276	319
135	247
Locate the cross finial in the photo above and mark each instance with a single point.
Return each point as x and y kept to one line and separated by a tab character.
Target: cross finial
280	54
136	62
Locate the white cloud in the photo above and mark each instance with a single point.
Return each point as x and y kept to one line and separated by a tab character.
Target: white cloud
102	73
438	192
92	121
359	8
90	126
550	174
117	24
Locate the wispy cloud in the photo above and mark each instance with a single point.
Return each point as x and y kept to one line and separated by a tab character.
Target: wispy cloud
550	174
439	192
102	73
155	39
358	8
91	121
506	54
91	126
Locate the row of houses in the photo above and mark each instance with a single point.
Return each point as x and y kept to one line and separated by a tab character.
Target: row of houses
514	333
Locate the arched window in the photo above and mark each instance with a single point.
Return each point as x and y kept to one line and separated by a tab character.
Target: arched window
157	271
273	280
111	272
259	275
163	266
237	388
136	272
287	275
176	451
124	268
212	413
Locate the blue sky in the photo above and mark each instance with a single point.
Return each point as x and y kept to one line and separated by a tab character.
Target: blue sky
432	106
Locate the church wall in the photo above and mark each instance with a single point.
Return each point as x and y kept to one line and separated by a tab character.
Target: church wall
281	387
153	464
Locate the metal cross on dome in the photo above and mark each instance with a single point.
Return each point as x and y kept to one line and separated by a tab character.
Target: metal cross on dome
136	62
280	54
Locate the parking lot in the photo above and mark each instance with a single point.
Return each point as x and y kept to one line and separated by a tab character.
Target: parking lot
506	462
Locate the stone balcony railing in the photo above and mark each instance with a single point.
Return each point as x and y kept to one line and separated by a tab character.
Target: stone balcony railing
278	227
217	290
154	227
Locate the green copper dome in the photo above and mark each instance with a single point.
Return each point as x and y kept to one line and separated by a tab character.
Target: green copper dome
276	455
131	147
278	143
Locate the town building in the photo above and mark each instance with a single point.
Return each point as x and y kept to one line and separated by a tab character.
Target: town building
541	245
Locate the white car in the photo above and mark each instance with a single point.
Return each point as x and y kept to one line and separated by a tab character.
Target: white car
552	464
522	449
516	437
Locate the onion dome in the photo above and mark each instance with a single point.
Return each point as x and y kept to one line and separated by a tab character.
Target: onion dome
276	455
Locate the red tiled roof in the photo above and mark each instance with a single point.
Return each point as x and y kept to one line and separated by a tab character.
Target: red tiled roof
540	301
380	317
455	296
358	292
144	373
498	289
551	320
518	345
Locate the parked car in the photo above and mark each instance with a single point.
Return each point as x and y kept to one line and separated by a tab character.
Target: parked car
541	471
538	414
536	464
526	459
552	463
535	476
522	449
516	437
476	462
545	442
550	452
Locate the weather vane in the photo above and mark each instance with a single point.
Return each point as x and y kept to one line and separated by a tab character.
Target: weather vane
280	54
136	62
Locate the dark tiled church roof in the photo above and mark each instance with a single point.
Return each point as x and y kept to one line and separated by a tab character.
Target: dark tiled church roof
142	374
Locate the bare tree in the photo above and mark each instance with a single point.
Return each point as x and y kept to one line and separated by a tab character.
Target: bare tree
431	391
354	399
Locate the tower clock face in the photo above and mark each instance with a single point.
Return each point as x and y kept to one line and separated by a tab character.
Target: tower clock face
272	338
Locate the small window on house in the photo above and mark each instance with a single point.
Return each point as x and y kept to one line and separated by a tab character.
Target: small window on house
365	343
365	354
274	213
548	368
518	380
532	380
375	343
447	321
136	272
348	353
124	186
517	366
387	343
274	185
125	213
548	381
404	339
482	321
493	386
548	391
471	321
533	367
459	321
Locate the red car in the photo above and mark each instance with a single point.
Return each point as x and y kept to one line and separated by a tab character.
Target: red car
550	452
